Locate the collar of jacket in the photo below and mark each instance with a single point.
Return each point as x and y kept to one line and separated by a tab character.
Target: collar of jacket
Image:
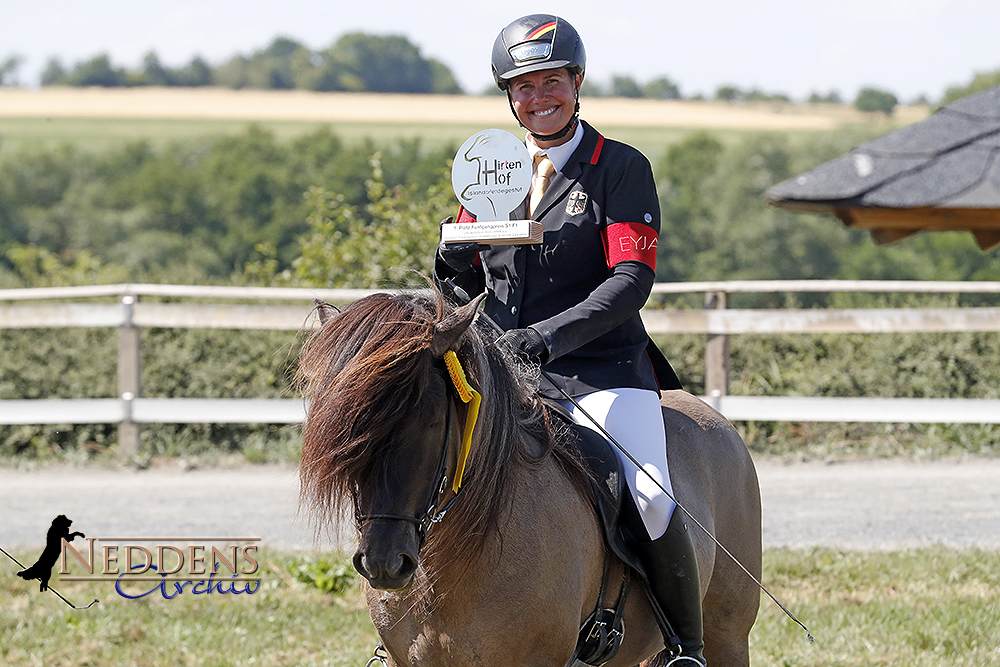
587	153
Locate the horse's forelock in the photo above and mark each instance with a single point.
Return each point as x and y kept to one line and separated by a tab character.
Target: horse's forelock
364	373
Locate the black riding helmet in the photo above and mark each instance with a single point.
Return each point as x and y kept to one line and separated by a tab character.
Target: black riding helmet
533	43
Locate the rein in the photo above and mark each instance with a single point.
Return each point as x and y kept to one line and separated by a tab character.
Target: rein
498	331
432	515
49	588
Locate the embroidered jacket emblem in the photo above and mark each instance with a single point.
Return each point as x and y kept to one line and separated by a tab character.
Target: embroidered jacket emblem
577	203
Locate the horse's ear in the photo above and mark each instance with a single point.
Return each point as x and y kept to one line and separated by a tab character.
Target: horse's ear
326	310
448	331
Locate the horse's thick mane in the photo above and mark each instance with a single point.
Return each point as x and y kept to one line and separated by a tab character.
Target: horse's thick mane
365	372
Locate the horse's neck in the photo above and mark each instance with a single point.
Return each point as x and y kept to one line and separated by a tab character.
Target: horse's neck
547	517
533	578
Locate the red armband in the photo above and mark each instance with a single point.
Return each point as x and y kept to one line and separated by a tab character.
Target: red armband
630	240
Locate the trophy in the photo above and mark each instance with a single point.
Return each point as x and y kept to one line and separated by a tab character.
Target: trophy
491	176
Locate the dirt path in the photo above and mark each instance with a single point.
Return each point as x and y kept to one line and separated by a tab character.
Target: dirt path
881	505
870	505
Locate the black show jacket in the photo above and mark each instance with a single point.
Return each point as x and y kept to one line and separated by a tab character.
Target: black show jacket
583	286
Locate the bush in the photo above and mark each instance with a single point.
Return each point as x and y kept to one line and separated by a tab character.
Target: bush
926	365
329	574
81	363
198	209
873	99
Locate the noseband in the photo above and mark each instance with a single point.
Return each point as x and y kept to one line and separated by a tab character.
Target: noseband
434	515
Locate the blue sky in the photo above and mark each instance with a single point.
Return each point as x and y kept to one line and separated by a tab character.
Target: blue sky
909	47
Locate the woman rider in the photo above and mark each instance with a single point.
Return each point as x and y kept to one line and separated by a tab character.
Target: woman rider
572	302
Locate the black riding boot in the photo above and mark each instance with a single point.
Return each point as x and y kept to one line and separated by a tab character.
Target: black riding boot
672	570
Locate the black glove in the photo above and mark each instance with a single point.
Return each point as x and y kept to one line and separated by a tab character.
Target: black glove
526	341
458	256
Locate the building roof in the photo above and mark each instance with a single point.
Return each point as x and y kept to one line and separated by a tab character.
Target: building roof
941	174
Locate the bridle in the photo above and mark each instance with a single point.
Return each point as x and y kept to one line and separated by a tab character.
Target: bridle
432	514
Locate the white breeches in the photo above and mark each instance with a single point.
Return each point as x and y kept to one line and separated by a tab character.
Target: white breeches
634	418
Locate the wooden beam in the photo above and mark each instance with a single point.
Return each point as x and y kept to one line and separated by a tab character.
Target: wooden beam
858	410
61	315
809	320
986	238
292	411
129	378
716	351
928	218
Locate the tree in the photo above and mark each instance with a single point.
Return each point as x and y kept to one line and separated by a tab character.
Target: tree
625	86
54	73
276	63
153	73
389	240
981	81
874	99
591	89
273	67
728	93
832	97
380	64
8	70
443	82
97	72
685	195
661	88
234	73
359	62
758	95
195	73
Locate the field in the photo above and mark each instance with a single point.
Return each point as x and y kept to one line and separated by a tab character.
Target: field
915	608
95	119
908	609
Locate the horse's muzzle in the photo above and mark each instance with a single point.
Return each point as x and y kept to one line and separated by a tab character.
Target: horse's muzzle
388	574
387	554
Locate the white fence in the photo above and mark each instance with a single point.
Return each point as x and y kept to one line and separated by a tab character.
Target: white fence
74	307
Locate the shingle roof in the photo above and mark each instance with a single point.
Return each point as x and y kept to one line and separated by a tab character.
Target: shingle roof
948	162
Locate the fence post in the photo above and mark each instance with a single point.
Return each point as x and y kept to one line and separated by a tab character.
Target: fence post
129	378
716	352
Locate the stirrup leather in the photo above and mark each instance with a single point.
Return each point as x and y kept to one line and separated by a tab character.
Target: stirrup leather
602	633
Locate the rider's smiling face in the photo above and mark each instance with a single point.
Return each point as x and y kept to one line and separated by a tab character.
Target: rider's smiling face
545	101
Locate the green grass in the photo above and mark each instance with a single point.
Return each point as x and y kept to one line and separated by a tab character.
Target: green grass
910	609
914	608
285	622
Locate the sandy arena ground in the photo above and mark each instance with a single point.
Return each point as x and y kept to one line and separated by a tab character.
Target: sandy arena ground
868	505
218	103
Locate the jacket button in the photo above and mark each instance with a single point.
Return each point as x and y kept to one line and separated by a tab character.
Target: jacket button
513	310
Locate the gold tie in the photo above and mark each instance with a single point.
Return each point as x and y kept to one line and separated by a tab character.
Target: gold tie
543	172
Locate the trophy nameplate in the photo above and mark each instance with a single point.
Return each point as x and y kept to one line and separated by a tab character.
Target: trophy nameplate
494	232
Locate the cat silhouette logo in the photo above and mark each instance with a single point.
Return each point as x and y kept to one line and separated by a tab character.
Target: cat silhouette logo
42	569
198	568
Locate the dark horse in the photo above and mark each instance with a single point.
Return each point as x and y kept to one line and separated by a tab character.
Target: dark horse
507	577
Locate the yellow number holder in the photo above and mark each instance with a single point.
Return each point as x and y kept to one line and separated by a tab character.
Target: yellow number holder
468	395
